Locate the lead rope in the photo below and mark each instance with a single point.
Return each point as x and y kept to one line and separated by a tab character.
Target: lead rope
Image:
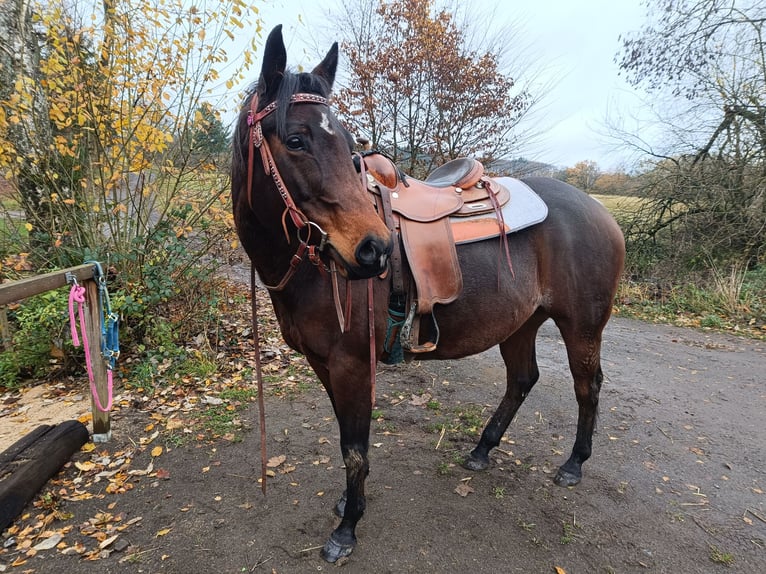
258	377
77	301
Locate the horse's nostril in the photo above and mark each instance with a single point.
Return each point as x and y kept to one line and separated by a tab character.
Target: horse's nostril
372	252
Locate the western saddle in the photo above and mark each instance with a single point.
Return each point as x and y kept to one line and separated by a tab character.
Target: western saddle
427	219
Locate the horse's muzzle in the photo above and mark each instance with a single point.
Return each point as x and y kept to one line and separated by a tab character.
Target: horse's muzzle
372	256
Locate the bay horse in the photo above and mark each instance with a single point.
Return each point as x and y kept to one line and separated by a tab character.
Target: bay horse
301	209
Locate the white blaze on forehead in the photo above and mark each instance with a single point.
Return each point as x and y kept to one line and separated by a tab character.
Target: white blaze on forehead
325	125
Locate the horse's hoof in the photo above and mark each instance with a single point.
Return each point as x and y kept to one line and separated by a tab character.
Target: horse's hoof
334	550
566	478
473	462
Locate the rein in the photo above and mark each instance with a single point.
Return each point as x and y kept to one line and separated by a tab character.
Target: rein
305	249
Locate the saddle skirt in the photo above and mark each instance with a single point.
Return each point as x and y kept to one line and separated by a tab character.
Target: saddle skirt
523	209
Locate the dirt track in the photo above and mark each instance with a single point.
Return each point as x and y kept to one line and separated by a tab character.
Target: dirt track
676	483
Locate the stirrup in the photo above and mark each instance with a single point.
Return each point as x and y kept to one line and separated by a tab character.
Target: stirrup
411	331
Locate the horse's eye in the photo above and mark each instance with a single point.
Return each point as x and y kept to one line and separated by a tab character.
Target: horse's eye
295	143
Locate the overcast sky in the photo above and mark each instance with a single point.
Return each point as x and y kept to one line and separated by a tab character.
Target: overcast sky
571	43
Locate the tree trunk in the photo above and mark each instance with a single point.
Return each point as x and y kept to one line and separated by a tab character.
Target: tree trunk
20	60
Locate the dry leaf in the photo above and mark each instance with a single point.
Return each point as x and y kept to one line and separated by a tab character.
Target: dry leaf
156	451
49	543
108	541
421	400
147	440
464	489
275	461
560	570
163	532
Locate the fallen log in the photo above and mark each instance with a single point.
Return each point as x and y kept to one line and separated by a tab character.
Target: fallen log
31	461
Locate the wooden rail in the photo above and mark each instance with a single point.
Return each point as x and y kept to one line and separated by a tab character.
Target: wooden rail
85	275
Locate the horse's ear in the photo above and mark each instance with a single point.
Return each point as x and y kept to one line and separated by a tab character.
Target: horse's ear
327	67
274	62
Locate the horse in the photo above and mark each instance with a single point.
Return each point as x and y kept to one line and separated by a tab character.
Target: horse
306	221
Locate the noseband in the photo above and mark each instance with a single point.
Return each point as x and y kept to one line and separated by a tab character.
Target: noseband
302	223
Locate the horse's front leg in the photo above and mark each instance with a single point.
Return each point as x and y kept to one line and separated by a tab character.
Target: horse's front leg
343	539
352	401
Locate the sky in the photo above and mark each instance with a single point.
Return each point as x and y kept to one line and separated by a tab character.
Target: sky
570	48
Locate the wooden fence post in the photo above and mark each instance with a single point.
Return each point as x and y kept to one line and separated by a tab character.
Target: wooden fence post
5	331
23	288
102	431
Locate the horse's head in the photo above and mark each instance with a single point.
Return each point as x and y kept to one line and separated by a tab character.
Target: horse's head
293	172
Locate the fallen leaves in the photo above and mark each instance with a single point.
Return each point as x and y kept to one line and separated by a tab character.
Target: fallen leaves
171	410
463	488
50	542
275	461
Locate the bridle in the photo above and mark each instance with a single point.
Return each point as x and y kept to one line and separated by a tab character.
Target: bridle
304	231
303	224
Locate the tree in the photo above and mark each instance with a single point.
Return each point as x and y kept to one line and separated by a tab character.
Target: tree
615	182
418	92
97	119
19	86
706	62
583	175
210	137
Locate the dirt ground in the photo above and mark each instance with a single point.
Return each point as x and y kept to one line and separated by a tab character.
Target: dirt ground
675	484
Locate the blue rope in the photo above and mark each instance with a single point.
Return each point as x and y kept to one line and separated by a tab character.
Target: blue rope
110	331
392	344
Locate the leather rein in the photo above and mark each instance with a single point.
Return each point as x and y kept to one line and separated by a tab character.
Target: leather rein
304	232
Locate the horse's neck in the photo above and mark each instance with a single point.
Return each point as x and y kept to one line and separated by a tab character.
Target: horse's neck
267	248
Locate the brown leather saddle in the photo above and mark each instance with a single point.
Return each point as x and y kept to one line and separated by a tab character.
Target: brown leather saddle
425	217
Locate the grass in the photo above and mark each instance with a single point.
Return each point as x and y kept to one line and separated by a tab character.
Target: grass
620	204
528	526
720	557
692	306
569	533
222	420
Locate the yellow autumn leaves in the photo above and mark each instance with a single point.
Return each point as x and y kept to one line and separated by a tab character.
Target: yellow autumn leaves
123	82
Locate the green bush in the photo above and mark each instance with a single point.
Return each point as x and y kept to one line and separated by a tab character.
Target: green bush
40	337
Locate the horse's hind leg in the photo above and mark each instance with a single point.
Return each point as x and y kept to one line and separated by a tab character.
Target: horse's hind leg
518	352
584	353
